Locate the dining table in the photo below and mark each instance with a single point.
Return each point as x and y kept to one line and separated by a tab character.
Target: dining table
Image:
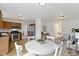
37	48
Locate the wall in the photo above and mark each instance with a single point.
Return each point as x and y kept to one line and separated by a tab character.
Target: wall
50	26
5	30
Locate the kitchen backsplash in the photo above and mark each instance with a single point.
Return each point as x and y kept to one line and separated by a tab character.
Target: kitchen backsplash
4	30
8	30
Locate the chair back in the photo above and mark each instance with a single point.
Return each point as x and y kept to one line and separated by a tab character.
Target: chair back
60	48
18	49
56	51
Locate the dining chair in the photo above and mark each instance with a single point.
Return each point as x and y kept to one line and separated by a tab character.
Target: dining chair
18	49
60	49
56	51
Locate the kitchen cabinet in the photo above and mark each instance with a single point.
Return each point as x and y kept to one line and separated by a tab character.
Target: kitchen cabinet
4	45
0	15
15	25
6	25
1	24
11	25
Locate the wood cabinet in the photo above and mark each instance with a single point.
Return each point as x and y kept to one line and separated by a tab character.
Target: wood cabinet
1	24
15	25
4	45
0	15
6	25
11	25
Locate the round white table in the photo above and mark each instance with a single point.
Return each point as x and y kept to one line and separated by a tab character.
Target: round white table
35	47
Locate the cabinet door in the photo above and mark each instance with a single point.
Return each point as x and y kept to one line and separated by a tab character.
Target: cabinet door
1	24
19	25
6	25
16	25
4	45
0	15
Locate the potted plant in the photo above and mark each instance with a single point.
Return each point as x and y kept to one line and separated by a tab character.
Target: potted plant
75	29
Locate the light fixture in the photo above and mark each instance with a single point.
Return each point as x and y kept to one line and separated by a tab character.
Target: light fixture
41	4
20	17
61	17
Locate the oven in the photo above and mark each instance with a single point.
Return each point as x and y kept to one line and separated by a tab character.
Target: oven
15	35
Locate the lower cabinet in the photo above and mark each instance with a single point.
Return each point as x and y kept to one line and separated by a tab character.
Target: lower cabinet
4	45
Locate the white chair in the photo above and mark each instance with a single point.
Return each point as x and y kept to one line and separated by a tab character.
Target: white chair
50	37
30	37
58	50
18	49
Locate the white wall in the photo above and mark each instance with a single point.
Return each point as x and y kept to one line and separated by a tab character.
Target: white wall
50	27
69	24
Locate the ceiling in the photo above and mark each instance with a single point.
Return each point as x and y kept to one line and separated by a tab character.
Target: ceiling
31	11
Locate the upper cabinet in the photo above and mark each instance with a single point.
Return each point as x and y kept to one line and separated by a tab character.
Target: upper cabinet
11	25
1	22
0	15
6	25
15	25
